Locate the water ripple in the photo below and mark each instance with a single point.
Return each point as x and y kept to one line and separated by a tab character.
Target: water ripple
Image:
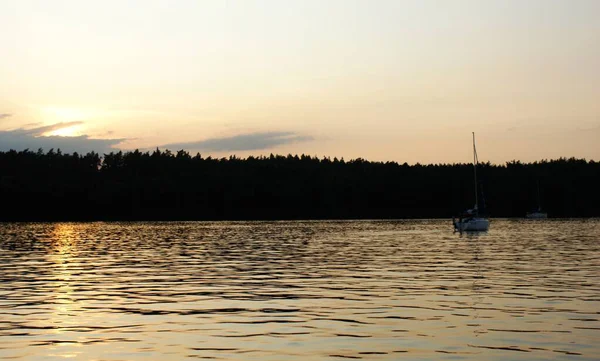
300	290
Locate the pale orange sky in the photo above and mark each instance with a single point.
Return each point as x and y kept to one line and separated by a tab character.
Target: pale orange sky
382	80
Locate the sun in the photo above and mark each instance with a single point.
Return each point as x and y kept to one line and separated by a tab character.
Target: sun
71	131
56	115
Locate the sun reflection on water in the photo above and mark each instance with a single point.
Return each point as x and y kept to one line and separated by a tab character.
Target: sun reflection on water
66	306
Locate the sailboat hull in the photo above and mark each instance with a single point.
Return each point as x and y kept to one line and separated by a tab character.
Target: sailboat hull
472	225
537	215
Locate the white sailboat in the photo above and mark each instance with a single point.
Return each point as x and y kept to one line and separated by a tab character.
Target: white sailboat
471	221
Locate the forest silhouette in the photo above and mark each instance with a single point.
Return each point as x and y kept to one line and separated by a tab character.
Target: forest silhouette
162	185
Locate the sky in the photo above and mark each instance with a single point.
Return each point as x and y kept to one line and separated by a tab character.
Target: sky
404	81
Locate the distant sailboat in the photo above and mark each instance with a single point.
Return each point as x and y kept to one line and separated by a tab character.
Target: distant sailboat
471	220
537	214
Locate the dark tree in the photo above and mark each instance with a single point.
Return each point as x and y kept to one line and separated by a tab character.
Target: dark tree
162	185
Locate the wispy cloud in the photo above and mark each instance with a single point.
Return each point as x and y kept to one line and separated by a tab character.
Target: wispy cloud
45	129
251	141
20	139
4	115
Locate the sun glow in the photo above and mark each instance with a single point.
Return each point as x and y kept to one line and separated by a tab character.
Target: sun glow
55	115
71	131
64	114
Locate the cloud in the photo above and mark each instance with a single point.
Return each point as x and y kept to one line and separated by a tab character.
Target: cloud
49	128
20	139
252	141
4	115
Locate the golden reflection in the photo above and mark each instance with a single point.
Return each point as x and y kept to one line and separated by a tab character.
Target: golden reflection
64	239
64	244
66	305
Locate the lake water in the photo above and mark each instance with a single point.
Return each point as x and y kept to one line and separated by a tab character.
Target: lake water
380	290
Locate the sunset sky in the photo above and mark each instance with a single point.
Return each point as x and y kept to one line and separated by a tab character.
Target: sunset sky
405	81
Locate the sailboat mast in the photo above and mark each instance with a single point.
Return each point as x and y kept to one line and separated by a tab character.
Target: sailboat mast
476	208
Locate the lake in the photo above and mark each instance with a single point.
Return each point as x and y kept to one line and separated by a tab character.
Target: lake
331	290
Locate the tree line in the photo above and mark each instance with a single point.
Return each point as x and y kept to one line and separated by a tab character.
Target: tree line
162	185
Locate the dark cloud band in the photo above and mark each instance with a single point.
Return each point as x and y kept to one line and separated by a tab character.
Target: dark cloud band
252	141
20	139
